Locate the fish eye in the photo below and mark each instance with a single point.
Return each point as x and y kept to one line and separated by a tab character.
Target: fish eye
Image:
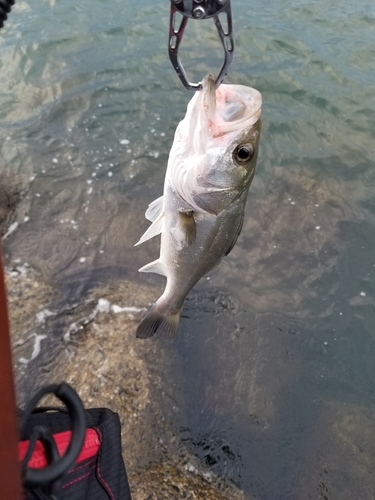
244	153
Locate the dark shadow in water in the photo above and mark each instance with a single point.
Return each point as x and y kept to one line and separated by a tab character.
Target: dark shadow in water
255	387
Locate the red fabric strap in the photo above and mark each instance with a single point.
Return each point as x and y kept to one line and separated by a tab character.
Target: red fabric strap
38	459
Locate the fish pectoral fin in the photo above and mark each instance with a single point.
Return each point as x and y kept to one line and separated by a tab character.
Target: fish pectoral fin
155	229
235	238
154	209
153	267
187	227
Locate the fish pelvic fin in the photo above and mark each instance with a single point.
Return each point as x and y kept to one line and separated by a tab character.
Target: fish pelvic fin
155	229
159	321
153	267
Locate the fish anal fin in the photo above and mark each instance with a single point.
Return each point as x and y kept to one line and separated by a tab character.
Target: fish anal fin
155	229
153	267
187	227
154	209
236	235
160	322
212	272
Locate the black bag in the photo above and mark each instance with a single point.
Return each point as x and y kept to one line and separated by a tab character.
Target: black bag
71	453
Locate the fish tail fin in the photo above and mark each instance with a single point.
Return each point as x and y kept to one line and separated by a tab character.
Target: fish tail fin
159	321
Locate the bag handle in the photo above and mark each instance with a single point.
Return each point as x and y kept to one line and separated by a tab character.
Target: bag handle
35	478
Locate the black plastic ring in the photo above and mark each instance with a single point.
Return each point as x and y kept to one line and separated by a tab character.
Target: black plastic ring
5	6
43	477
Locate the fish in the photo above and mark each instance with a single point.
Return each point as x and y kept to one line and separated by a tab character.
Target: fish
200	215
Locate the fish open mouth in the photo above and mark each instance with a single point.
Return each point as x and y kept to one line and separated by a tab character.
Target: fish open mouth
230	108
215	117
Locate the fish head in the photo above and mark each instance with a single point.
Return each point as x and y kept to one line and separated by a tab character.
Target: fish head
212	161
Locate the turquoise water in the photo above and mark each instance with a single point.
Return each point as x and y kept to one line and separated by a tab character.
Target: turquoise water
277	350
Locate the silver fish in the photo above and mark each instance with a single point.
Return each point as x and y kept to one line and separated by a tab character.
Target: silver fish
200	215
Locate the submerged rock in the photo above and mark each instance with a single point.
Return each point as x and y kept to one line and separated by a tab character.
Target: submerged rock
11	190
341	455
167	482
92	346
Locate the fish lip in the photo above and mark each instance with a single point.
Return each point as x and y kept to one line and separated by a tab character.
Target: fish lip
210	97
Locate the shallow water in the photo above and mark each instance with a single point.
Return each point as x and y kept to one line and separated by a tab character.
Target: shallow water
276	350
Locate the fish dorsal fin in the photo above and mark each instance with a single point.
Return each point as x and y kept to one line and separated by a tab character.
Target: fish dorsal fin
185	230
155	229
154	209
153	267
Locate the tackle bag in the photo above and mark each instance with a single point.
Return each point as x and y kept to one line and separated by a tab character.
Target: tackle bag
69	452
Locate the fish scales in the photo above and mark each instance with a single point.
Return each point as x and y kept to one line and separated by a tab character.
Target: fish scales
200	215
